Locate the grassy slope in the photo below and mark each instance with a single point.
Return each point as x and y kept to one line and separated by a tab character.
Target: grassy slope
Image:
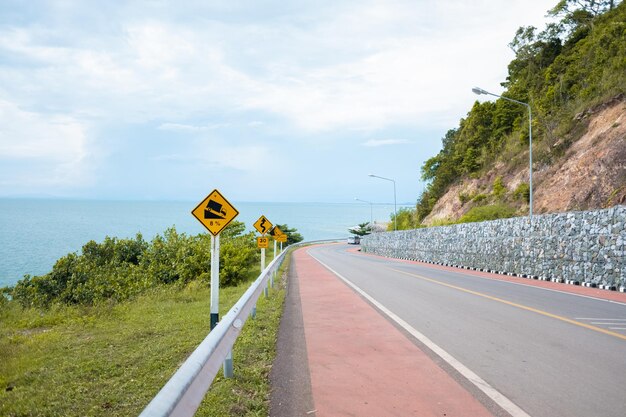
111	360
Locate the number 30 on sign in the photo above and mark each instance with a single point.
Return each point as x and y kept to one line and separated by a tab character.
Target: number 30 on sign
262	242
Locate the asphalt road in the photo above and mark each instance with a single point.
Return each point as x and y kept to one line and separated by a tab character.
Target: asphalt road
551	353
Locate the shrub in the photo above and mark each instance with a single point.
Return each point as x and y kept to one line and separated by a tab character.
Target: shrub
499	190
522	192
119	269
479	197
406	219
490	212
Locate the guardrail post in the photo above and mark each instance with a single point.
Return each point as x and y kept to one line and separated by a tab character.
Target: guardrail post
228	365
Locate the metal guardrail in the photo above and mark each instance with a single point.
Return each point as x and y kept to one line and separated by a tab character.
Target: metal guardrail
183	393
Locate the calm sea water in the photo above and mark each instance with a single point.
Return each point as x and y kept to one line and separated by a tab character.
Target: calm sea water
35	233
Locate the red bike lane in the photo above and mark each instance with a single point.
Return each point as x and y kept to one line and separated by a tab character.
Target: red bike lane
360	364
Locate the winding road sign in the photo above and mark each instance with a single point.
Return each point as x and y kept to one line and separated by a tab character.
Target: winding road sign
263	225
215	212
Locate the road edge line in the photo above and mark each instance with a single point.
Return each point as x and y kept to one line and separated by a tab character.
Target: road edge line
509	406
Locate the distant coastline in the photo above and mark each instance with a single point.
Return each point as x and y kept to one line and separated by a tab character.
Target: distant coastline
35	232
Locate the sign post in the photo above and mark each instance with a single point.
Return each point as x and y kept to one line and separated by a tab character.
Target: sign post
277	234
263	225
215	213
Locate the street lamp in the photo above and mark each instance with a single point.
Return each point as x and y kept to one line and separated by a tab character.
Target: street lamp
371	210
480	91
395	211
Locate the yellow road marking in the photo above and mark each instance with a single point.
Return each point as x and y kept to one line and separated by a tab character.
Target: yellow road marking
523	307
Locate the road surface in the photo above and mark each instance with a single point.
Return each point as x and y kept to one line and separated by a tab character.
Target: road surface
547	351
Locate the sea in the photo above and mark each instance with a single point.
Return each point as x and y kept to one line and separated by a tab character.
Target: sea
34	233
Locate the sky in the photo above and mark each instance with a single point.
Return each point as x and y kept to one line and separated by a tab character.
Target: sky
281	101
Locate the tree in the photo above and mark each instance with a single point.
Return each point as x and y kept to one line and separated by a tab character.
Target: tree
362	229
406	219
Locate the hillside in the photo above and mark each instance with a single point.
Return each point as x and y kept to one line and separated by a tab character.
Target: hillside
573	75
591	174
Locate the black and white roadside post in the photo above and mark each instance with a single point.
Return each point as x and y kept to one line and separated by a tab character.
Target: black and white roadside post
215	213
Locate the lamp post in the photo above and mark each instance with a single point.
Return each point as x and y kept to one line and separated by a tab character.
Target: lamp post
371	210
395	210
480	91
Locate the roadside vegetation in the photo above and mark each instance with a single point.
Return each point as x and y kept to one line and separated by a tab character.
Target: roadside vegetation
572	66
105	329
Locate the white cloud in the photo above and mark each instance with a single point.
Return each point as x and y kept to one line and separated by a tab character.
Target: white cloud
304	73
241	158
394	63
367	66
180	127
57	143
384	142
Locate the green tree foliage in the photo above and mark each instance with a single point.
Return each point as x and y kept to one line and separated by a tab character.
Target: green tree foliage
522	192
118	269
406	219
499	190
572	65
362	229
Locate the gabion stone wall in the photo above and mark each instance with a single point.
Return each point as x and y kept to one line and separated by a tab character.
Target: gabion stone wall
580	247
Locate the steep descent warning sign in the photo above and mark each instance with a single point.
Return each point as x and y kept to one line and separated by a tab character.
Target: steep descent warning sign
215	212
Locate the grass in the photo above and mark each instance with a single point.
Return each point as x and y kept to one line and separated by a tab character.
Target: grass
110	360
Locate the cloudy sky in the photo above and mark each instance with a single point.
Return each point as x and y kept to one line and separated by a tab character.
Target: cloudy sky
264	100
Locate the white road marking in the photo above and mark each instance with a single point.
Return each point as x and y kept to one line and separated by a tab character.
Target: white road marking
481	384
595	318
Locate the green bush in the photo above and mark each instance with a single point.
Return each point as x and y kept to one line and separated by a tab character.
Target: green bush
491	212
119	269
522	192
499	190
479	197
406	219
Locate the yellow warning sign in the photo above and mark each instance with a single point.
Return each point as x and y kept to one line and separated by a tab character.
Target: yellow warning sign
263	242
215	212
280	238
263	225
276	231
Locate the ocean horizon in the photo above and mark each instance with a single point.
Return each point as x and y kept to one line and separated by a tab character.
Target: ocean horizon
35	232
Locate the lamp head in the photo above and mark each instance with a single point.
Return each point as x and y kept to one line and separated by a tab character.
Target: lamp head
479	91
